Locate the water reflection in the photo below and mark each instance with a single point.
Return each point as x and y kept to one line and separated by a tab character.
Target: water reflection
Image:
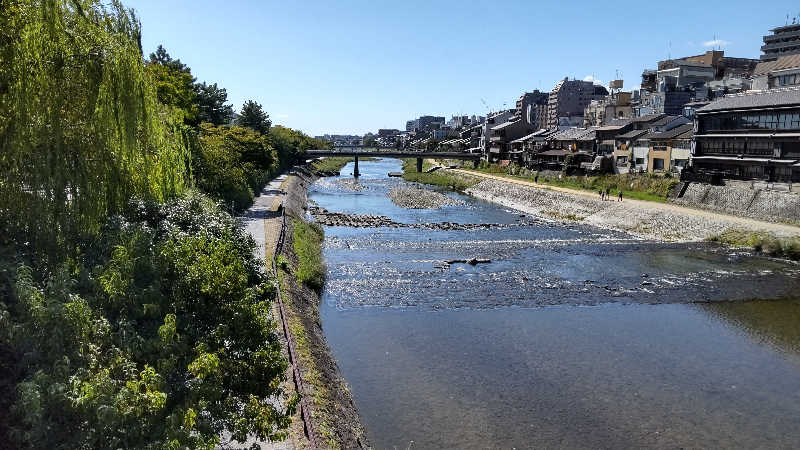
776	323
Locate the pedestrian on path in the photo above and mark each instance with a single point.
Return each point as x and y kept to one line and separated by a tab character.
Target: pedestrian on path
601	193
620	196
608	193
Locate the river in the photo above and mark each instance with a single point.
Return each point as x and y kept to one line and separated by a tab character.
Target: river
572	336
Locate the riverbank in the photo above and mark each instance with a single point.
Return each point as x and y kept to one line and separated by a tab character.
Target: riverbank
647	220
336	423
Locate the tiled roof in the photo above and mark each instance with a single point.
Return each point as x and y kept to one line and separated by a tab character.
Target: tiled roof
647	118
783	62
758	99
664	120
571	134
673	133
632	134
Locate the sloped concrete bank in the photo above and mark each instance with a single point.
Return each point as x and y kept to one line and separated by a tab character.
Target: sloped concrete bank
335	419
746	199
661	222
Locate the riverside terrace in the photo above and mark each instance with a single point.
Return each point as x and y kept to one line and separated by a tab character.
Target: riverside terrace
420	156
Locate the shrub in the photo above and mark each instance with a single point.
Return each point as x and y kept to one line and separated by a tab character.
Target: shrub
157	336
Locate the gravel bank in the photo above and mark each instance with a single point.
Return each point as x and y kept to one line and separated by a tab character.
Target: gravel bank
417	198
635	217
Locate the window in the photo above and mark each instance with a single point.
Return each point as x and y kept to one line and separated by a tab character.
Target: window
639	161
658	163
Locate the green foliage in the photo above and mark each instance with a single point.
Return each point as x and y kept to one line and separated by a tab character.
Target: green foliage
232	163
211	104
81	130
452	182
254	117
307	241
335	164
158	335
761	241
174	84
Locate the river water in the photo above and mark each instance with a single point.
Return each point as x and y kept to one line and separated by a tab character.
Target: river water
572	336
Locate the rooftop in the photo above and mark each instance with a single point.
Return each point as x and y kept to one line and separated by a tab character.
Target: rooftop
632	134
783	62
754	99
674	133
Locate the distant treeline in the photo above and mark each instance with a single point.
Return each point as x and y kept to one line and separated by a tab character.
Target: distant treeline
133	313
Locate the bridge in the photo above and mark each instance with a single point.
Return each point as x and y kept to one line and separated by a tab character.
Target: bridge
419	155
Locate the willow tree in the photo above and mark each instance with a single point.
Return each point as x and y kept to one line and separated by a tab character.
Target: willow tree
81	130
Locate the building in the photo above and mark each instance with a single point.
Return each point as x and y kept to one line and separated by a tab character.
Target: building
781	72
425	124
649	82
623	150
750	136
569	98
669	150
491	121
616	106
532	108
724	66
783	41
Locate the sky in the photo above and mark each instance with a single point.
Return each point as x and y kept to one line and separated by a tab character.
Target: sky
351	67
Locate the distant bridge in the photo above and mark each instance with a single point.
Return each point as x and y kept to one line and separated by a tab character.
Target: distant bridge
419	155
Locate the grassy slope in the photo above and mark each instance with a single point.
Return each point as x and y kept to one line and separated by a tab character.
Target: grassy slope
307	243
454	182
641	187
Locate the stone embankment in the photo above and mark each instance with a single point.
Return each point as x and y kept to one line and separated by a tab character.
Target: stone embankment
335	219
744	199
647	220
416	198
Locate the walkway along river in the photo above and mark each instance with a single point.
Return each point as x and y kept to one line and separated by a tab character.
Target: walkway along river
572	336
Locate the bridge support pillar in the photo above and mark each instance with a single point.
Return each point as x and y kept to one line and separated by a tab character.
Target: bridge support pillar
419	164
356	173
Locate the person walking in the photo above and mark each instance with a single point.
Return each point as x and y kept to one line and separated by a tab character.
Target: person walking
608	193
601	194
619	199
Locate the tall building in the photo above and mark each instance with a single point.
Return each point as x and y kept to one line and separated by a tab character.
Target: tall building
783	41
532	109
569	98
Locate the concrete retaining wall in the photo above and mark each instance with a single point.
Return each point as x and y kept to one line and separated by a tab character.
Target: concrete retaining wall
744	199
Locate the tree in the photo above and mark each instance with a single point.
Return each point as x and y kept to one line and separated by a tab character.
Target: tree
161	57
211	104
174	83
252	116
369	140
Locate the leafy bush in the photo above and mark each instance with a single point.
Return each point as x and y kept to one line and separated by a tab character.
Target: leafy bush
307	241
232	163
158	335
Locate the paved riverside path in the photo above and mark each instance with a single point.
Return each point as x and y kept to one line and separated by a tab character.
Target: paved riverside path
263	222
668	208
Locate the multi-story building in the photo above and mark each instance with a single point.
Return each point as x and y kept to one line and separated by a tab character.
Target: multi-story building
724	66
669	150
649	82
492	120
783	41
752	136
532	108
569	98
425	124
781	72
616	106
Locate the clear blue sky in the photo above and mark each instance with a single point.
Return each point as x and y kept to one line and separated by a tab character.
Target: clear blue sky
356	66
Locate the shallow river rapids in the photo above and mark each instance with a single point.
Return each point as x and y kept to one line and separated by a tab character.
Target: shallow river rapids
572	336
